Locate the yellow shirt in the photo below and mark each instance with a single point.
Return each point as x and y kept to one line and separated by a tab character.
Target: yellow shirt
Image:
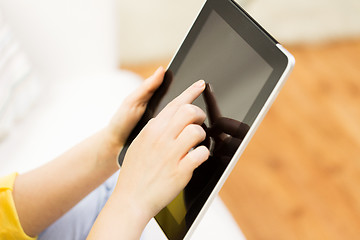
10	227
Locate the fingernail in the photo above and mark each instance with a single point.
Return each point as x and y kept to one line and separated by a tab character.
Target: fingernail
200	84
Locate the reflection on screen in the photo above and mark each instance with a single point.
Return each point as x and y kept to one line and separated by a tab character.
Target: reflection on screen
235	74
221	57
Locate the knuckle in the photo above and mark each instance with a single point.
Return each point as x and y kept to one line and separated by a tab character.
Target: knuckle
188	110
197	131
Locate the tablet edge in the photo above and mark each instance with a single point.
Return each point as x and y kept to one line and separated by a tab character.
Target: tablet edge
246	140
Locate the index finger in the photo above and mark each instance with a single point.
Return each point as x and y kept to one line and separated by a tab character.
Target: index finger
186	97
190	94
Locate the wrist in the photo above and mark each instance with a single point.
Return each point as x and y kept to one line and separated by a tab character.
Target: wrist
121	209
133	196
131	208
108	151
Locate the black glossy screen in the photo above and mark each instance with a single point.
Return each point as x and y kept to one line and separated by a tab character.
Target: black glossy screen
235	74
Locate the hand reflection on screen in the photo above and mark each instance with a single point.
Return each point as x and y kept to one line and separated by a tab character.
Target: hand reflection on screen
223	137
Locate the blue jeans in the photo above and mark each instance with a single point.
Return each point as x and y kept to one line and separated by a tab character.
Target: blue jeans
76	224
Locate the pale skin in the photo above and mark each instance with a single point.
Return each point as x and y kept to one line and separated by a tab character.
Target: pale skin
157	166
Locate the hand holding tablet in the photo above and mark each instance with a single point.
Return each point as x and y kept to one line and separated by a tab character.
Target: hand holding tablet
246	68
158	165
165	161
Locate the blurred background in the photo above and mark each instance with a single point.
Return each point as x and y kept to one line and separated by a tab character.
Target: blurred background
299	177
153	30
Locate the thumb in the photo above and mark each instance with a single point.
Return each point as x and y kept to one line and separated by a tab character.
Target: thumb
148	87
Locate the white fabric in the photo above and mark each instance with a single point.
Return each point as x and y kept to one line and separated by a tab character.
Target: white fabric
65	37
68	112
18	84
63	40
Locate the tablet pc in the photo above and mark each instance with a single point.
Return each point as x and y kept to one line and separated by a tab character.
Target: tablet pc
244	68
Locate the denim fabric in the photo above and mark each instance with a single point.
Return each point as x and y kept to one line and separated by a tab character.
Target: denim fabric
76	224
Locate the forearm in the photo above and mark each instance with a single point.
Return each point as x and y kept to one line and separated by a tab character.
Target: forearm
43	195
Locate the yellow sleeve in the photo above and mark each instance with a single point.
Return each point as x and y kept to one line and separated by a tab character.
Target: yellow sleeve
10	227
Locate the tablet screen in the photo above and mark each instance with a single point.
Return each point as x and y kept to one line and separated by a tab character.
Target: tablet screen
235	75
236	72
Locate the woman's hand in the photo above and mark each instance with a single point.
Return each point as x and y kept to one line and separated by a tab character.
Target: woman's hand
127	116
157	166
